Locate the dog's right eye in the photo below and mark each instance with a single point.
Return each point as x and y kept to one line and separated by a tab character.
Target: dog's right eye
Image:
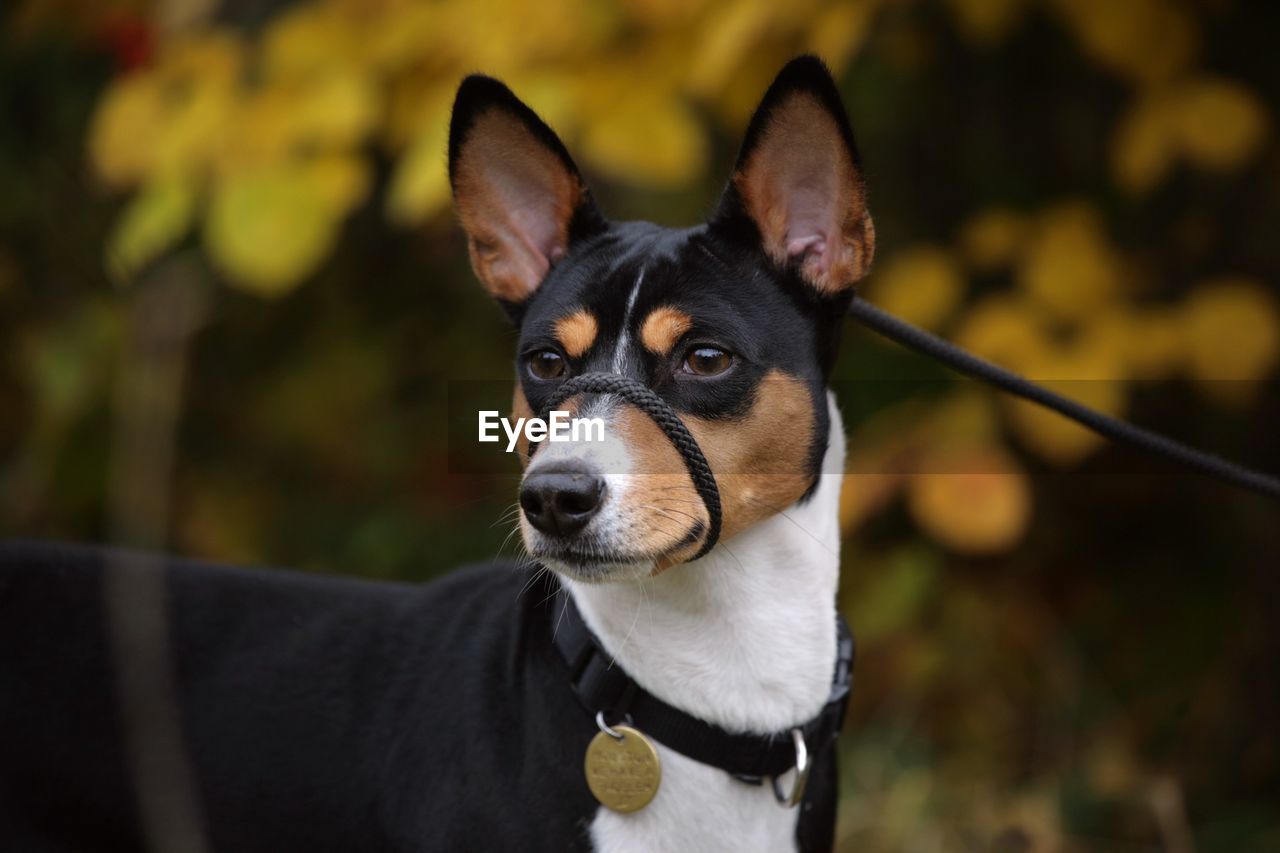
546	364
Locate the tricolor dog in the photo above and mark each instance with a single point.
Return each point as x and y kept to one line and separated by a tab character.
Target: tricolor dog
641	686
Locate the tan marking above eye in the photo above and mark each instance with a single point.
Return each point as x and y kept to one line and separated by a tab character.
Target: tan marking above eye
663	328
577	332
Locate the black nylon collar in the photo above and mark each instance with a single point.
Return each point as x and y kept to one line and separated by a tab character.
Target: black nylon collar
601	685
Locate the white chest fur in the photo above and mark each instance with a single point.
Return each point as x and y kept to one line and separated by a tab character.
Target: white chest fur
745	638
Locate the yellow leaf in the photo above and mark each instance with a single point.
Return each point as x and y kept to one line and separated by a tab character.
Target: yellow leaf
973	500
644	140
922	284
285	117
132	109
342	180
308	38
420	185
992	239
198	86
263	132
155	219
1008	330
268	229
398	35
1144	144
1147	41
1069	267
335	108
1232	328
1220	123
737	28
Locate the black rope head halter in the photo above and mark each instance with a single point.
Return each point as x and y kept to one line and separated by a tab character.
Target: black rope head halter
644	399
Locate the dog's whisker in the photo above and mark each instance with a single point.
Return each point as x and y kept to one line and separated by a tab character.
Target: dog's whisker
507	514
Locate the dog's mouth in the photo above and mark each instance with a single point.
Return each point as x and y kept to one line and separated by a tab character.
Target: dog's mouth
591	560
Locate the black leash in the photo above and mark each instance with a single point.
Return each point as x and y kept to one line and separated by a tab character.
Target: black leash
644	399
923	342
601	685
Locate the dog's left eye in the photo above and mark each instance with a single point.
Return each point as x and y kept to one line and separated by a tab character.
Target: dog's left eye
546	364
707	361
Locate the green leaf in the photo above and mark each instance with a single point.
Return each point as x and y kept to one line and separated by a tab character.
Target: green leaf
269	229
154	221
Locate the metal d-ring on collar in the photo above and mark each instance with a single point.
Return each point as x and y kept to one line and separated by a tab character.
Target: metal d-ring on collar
803	766
644	399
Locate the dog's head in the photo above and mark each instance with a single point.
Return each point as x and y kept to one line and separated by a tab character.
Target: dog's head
735	323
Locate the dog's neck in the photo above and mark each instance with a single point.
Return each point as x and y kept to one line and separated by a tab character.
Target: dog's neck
745	636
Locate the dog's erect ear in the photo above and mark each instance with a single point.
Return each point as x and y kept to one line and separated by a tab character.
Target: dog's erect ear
521	200
798	180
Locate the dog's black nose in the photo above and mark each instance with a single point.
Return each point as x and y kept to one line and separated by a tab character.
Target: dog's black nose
560	499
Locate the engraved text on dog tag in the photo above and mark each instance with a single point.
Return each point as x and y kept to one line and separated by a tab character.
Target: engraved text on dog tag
623	773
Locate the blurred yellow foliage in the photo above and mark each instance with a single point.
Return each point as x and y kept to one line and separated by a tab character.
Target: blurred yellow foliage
262	145
1144	146
1220	123
974	500
168	119
1071	322
1212	123
283	209
155	219
921	284
1068	265
1146	41
1008	329
242	124
992	238
657	137
1232	328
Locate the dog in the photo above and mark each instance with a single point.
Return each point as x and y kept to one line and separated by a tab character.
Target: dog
328	714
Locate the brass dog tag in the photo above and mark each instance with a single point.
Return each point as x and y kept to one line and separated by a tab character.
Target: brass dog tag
623	773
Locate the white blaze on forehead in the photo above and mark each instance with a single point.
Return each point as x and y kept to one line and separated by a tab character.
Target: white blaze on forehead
610	458
624	334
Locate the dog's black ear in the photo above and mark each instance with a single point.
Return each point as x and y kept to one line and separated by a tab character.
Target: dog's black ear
799	182
521	200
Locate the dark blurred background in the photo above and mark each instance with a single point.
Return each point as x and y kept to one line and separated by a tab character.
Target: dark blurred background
233	304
